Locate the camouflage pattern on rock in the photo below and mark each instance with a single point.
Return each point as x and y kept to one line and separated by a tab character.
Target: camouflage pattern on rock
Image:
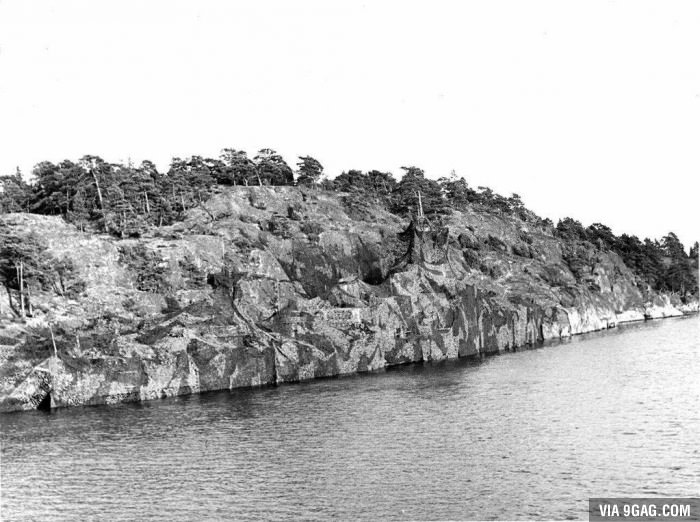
249	293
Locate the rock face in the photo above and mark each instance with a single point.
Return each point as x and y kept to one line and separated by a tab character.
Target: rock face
273	285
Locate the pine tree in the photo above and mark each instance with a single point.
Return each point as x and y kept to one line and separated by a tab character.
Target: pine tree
381	183
351	181
415	185
679	274
237	169
272	169
15	194
49	193
310	171
22	263
455	190
694	251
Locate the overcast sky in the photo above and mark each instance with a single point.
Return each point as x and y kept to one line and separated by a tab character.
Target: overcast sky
588	109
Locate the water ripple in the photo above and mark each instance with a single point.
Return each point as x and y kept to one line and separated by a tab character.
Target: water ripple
531	434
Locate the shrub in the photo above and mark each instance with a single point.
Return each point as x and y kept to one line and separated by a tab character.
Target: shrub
149	269
311	228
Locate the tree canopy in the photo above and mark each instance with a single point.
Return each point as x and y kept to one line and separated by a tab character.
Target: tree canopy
272	169
310	170
126	200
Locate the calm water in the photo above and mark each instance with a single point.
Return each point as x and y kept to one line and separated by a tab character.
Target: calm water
530	434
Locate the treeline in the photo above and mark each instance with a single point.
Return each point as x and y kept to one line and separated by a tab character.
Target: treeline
664	265
125	200
437	198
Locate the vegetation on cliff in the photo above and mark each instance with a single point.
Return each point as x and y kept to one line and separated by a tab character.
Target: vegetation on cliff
127	200
263	284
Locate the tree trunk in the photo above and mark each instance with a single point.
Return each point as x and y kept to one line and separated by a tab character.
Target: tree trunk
9	298
61	287
53	341
20	278
148	207
420	207
99	192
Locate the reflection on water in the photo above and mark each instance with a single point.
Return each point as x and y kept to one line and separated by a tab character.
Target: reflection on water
530	434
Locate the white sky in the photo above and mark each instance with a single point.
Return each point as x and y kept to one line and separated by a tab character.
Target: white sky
589	109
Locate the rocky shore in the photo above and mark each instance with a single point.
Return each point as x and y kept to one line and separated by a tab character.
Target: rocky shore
272	285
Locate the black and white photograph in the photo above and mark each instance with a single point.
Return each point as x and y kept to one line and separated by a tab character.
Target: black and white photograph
349	260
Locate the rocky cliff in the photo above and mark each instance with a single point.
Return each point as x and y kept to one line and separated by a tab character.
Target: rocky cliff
270	285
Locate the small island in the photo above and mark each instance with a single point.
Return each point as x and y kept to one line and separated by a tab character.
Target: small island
122	283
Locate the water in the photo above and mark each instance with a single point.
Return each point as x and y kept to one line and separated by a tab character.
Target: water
530	434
